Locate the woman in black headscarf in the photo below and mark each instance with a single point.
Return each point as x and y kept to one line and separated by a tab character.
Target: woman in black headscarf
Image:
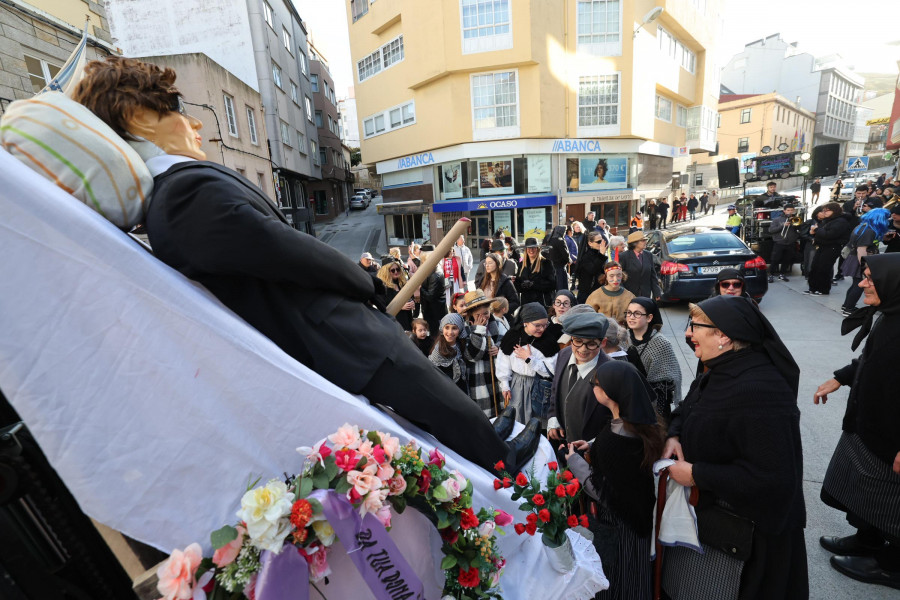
863	478
736	437
620	478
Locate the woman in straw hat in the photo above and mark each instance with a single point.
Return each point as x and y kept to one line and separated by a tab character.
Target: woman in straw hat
639	268
480	350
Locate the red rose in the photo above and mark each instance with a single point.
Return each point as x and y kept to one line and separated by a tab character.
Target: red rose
449	535
467	519
561	491
538	500
544	515
553	466
469	578
497	484
424	481
499	466
572	488
507	482
531	528
353	495
584	520
567	475
531	518
520	528
572	521
521	479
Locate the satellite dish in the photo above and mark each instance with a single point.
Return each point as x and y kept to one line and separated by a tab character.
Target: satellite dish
652	15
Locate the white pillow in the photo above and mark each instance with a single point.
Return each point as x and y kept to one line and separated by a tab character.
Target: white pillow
65	142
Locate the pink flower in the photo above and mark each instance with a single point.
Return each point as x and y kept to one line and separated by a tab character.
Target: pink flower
364	481
347	436
318	565
176	575
390	444
317	453
204	585
486	529
397	485
227	553
502	518
436	458
378	454
250	588
366	448
385	472
373	502
346	459
494	579
384	515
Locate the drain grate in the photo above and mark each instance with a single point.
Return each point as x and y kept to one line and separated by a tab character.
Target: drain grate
327	237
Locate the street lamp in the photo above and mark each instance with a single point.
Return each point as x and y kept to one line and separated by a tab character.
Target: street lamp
648	18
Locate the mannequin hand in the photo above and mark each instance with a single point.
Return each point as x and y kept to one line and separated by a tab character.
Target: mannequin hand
682	472
673	448
556	434
823	390
522	352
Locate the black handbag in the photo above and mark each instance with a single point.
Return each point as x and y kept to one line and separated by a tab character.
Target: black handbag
725	531
540	397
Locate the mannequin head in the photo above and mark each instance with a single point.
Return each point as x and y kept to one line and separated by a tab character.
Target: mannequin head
140	100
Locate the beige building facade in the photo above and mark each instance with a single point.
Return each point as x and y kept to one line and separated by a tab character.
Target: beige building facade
519	113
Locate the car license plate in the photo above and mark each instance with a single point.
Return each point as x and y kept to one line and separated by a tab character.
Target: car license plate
713	270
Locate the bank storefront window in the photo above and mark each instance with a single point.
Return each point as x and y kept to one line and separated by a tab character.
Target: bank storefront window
598	172
493	176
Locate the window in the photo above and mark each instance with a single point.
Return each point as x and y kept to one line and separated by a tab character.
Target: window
486	25
268	14
295	95
698	179
301	58
330	123
261	181
383	58
598	101
309	114
495	101
286	40
325	87
393	118
323	157
681	116
319	122
285	134
276	75
675	50
664	109
379	124
40	72
301	142
743	145
358	8
331	96
251	125
718	120
230	116
314	79
314	148
745	115
599	26
409	113
369	127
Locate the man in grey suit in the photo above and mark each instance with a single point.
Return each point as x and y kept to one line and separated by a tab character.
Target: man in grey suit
574	412
219	229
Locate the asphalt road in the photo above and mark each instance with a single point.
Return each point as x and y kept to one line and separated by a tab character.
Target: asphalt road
809	326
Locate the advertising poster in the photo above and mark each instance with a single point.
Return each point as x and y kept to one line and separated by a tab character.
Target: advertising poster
534	220
495	176
451	174
748	163
603	173
538	174
893	136
503	220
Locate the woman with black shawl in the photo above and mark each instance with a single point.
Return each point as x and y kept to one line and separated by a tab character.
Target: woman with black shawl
863	478
620	479
829	236
527	354
644	321
736	438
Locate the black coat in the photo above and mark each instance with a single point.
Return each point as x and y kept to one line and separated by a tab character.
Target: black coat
507	290
641	280
434	300
539	286
596	416
588	267
833	232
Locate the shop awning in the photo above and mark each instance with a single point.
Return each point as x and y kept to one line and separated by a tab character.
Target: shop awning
498	203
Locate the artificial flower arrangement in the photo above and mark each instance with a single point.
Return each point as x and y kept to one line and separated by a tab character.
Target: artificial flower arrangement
366	470
549	508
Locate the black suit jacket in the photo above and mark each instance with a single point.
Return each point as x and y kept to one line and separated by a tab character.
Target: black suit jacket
218	229
641	280
596	416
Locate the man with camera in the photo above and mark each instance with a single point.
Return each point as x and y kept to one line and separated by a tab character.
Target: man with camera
785	230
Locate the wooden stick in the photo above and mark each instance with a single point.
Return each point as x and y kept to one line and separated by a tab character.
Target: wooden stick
428	266
493	379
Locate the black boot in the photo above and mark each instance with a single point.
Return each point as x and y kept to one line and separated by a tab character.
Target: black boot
523	446
504	422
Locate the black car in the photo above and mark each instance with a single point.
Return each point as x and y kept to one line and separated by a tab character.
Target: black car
689	262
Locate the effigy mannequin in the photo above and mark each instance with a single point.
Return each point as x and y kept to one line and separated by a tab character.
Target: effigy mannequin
217	228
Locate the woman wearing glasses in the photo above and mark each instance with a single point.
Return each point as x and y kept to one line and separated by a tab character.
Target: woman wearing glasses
736	437
527	353
591	260
563	301
611	298
730	282
656	353
394	278
536	278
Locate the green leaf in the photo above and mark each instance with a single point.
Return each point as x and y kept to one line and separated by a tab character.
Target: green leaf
516	496
448	563
410	482
362	463
305	487
222	537
526	506
398	502
443	522
373	437
320	480
463	563
342	486
315	505
331	468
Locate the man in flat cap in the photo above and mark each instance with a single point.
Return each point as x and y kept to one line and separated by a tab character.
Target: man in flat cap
574	412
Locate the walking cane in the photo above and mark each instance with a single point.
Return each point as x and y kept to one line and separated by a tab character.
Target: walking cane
493	380
660	505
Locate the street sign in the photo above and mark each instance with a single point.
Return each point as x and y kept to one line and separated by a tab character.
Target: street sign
858	163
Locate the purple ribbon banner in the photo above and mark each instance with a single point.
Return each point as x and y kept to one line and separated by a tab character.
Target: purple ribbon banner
285	576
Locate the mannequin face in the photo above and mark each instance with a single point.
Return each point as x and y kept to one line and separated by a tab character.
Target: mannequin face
174	132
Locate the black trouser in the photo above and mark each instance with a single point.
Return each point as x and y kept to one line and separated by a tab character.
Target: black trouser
562	278
654	220
822	269
662	220
782	259
853	294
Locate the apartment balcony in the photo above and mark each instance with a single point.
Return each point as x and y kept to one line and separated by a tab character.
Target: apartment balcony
700	135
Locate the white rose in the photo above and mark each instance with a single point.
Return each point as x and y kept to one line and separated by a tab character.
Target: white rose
265	510
486	529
